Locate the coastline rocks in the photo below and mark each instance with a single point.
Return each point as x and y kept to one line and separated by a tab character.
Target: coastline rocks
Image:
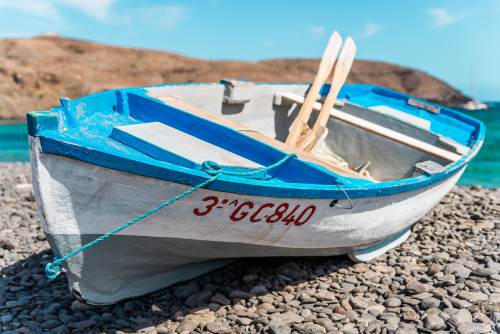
445	278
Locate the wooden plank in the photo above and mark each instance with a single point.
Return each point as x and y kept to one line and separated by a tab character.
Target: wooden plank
342	69
403	116
324	70
259	136
166	143
380	130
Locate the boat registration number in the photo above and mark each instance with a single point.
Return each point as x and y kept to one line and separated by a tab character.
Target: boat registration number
269	213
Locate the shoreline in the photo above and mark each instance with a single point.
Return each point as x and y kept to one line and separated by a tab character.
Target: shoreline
12	121
445	277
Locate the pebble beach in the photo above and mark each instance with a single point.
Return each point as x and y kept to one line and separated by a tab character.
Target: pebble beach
444	279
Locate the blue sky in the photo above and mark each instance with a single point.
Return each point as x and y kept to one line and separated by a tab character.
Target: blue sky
455	40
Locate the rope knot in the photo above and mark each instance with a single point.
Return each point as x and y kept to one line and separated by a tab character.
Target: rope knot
211	167
52	270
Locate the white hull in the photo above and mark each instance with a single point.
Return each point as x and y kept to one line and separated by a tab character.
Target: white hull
79	201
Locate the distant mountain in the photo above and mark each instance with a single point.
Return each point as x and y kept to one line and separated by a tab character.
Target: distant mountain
35	72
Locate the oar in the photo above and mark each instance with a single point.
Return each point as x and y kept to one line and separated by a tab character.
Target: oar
342	68
325	68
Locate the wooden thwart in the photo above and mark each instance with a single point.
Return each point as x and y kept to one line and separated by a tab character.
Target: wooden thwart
329	164
155	139
380	130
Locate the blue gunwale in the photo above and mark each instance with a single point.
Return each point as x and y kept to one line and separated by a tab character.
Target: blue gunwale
51	144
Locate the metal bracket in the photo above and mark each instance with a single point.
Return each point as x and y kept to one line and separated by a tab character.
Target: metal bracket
233	92
428	168
335	202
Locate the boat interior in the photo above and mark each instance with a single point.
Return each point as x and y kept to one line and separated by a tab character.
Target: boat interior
374	134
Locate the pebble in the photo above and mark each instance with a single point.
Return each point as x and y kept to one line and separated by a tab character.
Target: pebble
448	268
185	290
410	315
217	327
473	297
288	317
359	303
49	324
484	272
473	328
461	316
430	302
84	324
187	326
349	329
198	299
258	290
457	269
434	322
278	327
78	306
6	318
375	310
220	299
244	321
392	302
325	295
417	287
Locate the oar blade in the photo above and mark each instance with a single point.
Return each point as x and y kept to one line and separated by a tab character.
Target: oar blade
329	56
340	73
344	64
325	68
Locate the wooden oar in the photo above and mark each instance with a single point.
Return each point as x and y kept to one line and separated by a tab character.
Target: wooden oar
341	71
325	68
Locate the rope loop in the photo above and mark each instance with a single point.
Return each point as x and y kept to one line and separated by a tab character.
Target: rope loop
211	167
53	269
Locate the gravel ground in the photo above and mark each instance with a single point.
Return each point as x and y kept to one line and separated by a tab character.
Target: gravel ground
445	278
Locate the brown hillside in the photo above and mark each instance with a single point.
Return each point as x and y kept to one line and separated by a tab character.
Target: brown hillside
34	73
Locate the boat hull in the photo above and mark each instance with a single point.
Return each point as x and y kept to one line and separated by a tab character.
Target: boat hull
79	201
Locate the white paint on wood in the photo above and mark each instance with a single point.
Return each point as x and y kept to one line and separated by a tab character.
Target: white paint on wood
402	116
183	144
80	198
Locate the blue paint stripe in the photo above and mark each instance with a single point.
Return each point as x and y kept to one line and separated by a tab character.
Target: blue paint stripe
174	173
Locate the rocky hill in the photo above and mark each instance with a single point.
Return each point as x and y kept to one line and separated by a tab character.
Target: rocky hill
35	72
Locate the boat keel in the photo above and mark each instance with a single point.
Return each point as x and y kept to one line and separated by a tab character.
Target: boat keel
370	253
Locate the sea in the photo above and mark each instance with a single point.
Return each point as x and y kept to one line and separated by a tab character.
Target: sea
484	170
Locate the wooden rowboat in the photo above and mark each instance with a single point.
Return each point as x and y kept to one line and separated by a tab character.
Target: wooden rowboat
101	160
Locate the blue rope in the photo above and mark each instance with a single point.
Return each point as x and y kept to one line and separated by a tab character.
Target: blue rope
53	269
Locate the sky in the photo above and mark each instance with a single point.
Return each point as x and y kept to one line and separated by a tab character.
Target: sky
457	41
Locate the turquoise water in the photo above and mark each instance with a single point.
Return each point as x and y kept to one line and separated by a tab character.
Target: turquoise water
484	169
13	143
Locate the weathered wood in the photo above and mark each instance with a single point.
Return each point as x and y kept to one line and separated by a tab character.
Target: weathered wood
341	71
321	136
155	140
260	137
306	140
380	130
324	70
